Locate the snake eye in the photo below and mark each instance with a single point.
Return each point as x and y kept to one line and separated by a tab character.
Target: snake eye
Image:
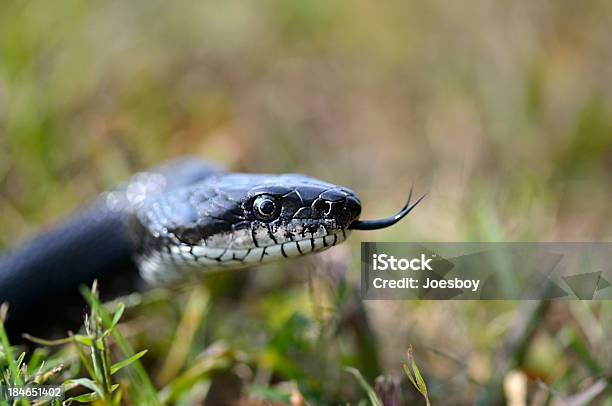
265	208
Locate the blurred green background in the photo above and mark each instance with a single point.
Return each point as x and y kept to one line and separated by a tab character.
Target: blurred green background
502	111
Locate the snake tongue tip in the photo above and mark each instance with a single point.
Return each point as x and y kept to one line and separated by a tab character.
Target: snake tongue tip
389	221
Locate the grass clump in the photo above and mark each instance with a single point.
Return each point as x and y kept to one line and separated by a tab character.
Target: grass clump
93	349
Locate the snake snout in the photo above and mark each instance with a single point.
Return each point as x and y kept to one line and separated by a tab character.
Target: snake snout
342	205
352	208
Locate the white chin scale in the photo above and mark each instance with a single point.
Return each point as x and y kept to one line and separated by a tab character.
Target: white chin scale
182	262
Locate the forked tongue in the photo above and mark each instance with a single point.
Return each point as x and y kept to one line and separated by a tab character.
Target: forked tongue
387	222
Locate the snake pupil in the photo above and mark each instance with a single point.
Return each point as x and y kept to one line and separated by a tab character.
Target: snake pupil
265	208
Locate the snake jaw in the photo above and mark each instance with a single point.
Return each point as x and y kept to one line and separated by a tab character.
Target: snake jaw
389	221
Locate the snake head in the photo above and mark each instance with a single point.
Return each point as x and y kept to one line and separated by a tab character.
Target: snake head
237	220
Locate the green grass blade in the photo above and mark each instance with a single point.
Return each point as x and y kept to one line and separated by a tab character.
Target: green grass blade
374	399
415	376
87	383
8	351
116	317
86	398
47	343
122	364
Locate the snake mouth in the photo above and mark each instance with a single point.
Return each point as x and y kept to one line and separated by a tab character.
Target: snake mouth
197	260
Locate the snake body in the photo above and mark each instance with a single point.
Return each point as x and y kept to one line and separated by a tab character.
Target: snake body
177	222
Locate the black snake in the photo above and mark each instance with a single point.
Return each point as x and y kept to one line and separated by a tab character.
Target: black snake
176	222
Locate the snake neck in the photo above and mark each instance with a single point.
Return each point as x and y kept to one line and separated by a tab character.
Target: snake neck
40	279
